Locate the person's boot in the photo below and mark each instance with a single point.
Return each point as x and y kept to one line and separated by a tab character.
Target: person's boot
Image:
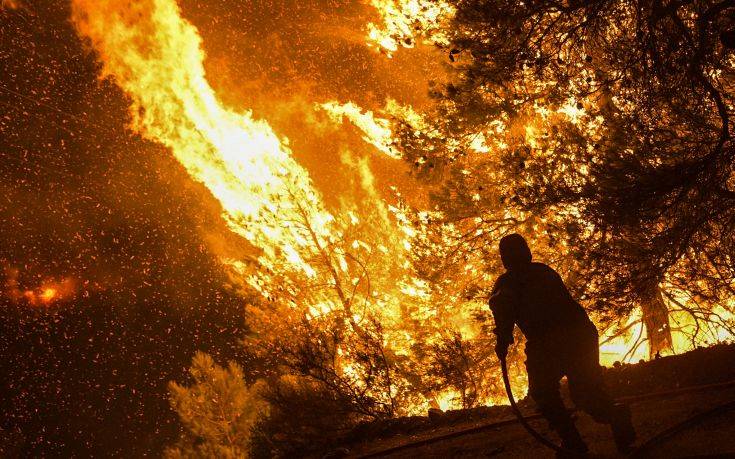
572	442
622	428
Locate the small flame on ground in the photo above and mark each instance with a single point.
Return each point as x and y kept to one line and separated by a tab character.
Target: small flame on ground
48	293
686	333
629	346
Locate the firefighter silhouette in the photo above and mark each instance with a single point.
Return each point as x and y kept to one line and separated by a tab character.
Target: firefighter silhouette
561	340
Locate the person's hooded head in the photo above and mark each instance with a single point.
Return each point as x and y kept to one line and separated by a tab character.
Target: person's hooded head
514	252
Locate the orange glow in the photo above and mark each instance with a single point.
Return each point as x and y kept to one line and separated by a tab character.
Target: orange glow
48	294
11	4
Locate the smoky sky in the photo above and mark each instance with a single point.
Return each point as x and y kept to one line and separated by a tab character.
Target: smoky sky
83	197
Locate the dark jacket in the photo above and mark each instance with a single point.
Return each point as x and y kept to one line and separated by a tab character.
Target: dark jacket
536	299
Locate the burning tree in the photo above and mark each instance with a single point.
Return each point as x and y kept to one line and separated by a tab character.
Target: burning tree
602	129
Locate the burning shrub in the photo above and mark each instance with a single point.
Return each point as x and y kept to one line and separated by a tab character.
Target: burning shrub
458	365
349	359
329	373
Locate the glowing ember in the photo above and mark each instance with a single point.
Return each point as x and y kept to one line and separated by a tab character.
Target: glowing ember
48	294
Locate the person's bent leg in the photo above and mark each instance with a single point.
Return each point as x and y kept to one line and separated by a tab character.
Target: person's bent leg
587	388
543	387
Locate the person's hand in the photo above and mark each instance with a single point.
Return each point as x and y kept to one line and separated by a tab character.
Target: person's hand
501	350
502	299
496	299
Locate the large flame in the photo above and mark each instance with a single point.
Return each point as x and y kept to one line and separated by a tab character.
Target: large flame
307	255
156	57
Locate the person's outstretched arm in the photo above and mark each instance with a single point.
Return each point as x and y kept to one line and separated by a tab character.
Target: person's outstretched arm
502	306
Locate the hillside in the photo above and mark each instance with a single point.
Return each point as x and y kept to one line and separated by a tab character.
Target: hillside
661	393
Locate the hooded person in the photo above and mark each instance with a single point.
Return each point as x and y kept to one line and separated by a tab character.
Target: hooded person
561	340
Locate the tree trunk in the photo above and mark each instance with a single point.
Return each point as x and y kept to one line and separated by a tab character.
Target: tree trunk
656	321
